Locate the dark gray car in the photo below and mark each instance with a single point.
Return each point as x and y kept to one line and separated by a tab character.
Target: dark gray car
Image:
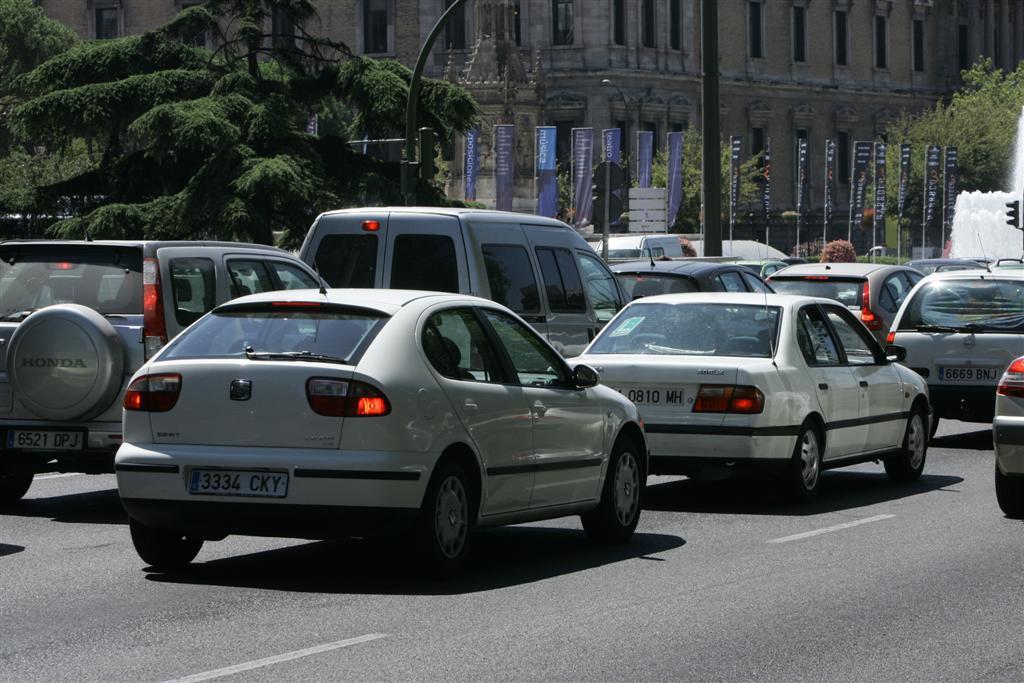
647	278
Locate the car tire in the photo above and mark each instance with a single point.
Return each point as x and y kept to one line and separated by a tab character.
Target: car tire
163	550
15	480
446	521
803	476
1010	495
618	512
909	463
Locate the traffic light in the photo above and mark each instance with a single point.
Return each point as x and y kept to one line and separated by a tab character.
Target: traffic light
427	165
1013	214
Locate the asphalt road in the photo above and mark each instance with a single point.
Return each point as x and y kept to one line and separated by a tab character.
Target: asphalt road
875	581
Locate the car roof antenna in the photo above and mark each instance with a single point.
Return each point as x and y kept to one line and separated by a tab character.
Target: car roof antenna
316	269
767	313
988	266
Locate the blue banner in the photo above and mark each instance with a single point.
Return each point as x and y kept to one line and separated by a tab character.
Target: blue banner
951	173
801	185
830	185
504	165
547	176
611	142
644	157
582	172
735	143
932	186
472	163
675	176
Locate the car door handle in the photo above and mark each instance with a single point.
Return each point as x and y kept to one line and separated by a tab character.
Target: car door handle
538	409
470	406
823	386
864	383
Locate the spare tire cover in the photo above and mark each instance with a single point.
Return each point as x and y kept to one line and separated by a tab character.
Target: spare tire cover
65	362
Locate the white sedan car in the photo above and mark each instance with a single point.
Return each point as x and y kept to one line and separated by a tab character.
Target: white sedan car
1008	437
349	412
726	382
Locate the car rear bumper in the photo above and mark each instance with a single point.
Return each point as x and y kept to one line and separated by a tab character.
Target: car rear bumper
967	403
676	449
1008	437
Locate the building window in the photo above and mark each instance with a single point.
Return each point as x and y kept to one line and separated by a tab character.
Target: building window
106	23
516	14
963	47
918	45
755	43
455	29
799	34
619	22
757	143
561	10
282	29
375	26
840	36
881	42
843	156
647	22
675	28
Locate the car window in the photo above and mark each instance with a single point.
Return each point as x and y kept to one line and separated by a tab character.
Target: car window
456	345
847	291
815	339
348	260
561	280
855	342
249	277
894	290
638	285
753	282
293	277
914	277
511	278
535	364
982	305
425	262
193	288
604	295
731	282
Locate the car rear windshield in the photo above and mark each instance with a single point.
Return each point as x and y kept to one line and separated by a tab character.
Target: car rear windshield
342	333
638	285
847	291
697	329
986	304
107	279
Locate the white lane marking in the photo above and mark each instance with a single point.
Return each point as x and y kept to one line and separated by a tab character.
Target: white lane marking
830	529
62	474
277	659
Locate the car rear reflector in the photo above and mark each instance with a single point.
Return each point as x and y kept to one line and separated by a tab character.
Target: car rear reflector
371	226
728	398
154	328
1012	383
890	338
345	398
153	393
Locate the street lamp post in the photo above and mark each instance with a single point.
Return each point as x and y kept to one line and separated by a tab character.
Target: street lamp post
712	160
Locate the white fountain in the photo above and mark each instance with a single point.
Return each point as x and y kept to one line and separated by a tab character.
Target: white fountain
979	224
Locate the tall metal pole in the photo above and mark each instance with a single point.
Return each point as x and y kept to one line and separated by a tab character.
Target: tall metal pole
712	155
408	174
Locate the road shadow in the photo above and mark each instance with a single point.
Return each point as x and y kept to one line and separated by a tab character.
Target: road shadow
8	549
840	490
92	507
504	557
972	441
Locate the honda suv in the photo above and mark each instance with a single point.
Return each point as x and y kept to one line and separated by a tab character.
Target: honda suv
77	319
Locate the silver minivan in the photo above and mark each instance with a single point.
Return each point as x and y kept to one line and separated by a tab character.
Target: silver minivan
539	267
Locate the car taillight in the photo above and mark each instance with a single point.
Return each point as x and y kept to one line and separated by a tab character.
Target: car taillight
867	316
1012	383
890	338
728	398
154	329
153	393
345	398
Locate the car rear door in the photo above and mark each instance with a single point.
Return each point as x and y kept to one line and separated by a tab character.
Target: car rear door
346	248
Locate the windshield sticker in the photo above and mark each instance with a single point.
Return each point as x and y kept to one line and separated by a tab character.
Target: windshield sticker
627	326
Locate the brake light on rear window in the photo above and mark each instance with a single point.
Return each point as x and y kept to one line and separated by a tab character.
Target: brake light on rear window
867	316
154	329
815	277
345	398
371	226
153	393
1012	383
728	398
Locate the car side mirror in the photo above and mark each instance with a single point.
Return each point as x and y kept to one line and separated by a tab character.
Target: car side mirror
895	353
584	376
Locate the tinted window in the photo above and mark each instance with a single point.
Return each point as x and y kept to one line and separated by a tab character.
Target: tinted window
425	262
894	290
754	283
348	260
293	277
731	282
193	288
510	277
604	296
845	291
108	280
637	285
697	329
249	277
989	304
856	342
561	280
535	364
816	342
455	344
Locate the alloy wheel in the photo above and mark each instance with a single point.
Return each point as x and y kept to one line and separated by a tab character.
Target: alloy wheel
809	460
626	486
451	517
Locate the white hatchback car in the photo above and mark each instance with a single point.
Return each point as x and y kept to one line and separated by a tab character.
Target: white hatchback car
1008	437
728	382
324	414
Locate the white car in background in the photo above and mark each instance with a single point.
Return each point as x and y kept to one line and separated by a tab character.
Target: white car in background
960	330
791	384
1008	438
325	414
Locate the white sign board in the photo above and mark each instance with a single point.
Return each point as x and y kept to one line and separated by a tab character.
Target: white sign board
648	209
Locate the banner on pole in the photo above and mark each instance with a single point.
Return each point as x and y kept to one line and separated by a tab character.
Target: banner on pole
859	177
830	186
901	196
735	143
880	193
675	176
472	163
582	168
547	176
504	165
644	157
951	188
801	184
611	143
931	184
766	189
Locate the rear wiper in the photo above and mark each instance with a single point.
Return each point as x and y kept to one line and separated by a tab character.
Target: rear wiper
292	355
935	328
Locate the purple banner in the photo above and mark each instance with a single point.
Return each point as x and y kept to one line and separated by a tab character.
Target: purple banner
901	196
880	193
859	179
582	170
766	189
675	176
932	186
735	143
504	166
830	185
950	184
611	143
644	157
472	163
547	175
801	184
